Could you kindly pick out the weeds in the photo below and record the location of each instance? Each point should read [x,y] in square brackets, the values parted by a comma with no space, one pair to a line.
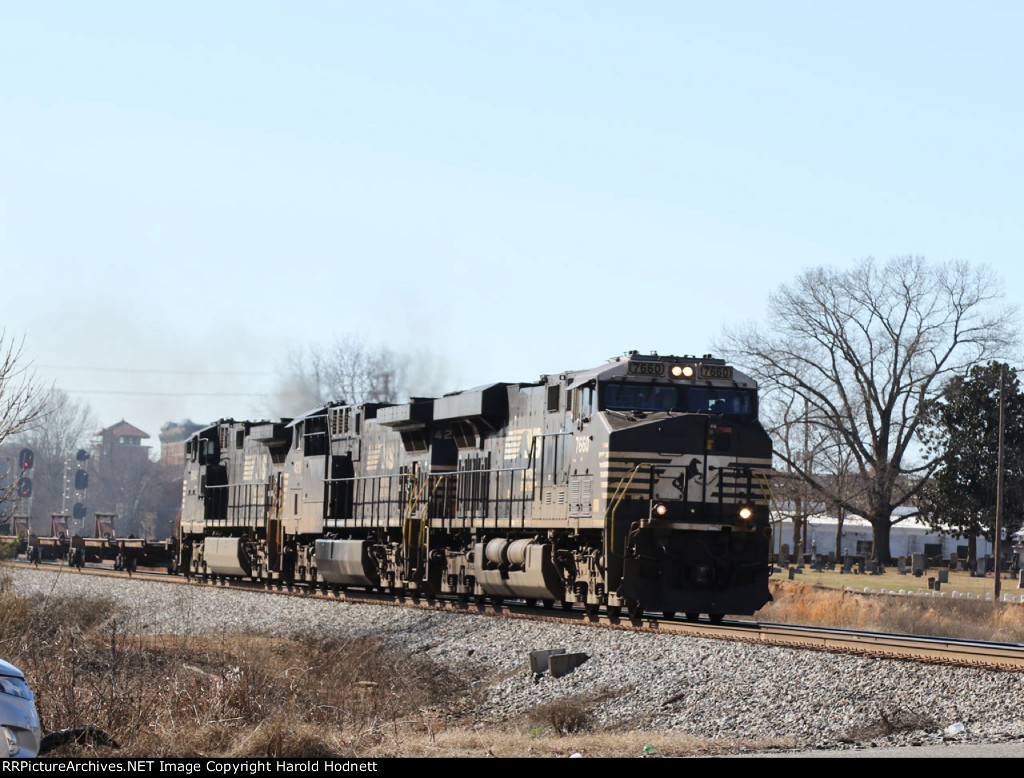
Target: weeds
[230,696]
[567,716]
[893,722]
[973,619]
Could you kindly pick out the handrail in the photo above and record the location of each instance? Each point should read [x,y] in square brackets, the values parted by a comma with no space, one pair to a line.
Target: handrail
[617,497]
[769,496]
[411,505]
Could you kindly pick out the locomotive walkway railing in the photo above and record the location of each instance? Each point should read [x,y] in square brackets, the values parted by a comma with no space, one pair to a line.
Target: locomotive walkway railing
[774,514]
[504,494]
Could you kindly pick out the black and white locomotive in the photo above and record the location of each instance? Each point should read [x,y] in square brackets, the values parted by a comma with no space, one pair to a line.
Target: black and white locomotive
[638,485]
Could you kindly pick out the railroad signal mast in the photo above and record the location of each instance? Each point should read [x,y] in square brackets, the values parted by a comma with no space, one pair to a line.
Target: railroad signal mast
[76,481]
[16,484]
[24,487]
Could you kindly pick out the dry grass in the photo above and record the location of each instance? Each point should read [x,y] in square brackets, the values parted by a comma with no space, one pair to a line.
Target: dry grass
[800,603]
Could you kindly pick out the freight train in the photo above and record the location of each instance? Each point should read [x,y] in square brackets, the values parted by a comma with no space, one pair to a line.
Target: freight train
[638,485]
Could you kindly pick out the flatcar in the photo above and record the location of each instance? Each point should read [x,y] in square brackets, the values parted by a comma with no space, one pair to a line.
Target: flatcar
[638,485]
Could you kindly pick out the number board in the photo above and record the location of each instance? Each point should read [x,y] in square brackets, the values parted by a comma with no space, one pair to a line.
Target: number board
[720,372]
[646,368]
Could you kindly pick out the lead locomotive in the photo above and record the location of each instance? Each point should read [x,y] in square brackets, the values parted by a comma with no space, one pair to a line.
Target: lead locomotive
[639,484]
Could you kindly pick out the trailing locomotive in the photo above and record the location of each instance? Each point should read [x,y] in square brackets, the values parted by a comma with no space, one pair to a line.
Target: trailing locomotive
[637,485]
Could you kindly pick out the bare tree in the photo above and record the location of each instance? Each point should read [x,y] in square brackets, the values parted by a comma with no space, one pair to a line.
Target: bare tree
[800,442]
[22,403]
[59,432]
[864,349]
[351,371]
[125,481]
[354,373]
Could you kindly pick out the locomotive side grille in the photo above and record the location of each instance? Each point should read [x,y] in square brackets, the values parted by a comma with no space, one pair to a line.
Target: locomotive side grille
[581,488]
[340,421]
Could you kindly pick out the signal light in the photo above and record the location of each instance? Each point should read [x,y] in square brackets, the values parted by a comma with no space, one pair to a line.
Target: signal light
[24,487]
[81,479]
[78,511]
[26,457]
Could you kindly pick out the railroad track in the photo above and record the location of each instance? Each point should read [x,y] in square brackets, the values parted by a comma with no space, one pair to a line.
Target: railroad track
[1007,657]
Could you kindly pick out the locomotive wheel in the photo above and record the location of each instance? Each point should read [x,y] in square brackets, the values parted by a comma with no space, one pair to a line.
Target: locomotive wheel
[591,608]
[716,618]
[692,616]
[567,605]
[668,615]
[614,611]
[636,611]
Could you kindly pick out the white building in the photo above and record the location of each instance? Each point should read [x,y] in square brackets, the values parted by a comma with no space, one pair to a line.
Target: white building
[909,536]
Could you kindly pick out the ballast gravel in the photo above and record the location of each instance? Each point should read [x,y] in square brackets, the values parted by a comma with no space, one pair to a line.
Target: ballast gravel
[639,681]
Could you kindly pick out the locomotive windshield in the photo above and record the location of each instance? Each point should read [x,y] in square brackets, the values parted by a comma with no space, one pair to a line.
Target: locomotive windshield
[738,403]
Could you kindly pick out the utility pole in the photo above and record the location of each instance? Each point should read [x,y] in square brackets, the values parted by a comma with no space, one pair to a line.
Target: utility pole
[999,481]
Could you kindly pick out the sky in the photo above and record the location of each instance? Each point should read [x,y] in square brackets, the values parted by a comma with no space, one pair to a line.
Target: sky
[192,191]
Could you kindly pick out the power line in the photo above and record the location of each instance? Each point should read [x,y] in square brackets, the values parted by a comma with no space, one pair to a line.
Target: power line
[166,394]
[150,370]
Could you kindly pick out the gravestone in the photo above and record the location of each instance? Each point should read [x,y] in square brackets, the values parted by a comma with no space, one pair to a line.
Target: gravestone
[943,576]
[918,564]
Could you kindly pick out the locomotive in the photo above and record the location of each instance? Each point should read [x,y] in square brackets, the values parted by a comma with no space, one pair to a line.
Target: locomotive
[638,485]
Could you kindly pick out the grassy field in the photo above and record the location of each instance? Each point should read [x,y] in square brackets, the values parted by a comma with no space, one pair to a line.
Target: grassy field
[959,582]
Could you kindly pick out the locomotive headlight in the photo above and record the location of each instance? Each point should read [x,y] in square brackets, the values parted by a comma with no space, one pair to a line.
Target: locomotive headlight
[682,371]
[746,512]
[660,509]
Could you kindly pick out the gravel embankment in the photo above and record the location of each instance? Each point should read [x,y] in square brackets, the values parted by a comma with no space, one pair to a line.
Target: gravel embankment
[705,688]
